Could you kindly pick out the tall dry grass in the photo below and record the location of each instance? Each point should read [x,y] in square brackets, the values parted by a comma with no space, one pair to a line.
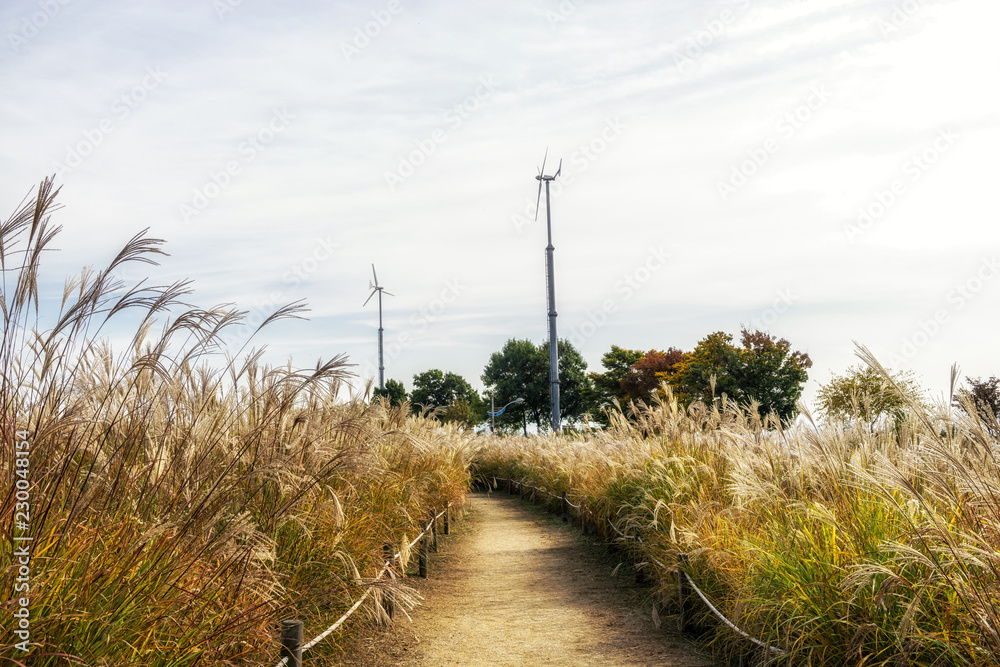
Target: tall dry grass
[845,546]
[182,500]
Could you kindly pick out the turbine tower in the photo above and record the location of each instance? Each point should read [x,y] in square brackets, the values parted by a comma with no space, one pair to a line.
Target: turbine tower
[550,284]
[375,287]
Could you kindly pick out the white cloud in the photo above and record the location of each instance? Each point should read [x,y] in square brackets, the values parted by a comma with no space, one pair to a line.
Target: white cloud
[688,123]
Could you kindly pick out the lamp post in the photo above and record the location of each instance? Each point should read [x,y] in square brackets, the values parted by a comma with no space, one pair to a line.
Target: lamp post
[496,413]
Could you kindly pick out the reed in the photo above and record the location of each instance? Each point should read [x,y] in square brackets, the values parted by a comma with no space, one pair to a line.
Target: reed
[846,546]
[185,498]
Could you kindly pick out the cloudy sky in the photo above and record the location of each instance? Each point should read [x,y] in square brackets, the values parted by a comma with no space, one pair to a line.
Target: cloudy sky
[821,169]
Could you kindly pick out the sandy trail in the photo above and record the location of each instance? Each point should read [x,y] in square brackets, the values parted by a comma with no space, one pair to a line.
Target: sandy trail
[513,587]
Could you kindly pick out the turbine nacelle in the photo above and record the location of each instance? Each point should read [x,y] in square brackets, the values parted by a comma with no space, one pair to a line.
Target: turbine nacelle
[543,178]
[375,287]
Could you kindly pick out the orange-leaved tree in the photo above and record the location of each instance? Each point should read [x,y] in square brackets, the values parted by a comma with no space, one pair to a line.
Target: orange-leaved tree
[763,368]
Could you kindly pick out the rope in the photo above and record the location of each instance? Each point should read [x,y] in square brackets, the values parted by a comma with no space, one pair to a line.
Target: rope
[718,614]
[427,527]
[388,564]
[415,540]
[346,615]
[773,649]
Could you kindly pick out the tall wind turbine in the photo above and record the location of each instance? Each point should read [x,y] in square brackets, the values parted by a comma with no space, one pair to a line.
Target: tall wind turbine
[550,284]
[375,287]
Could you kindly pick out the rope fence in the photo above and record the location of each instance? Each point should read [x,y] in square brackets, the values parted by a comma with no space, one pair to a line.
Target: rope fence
[292,630]
[684,580]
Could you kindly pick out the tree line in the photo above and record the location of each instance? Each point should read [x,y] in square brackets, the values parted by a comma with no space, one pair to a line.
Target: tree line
[759,371]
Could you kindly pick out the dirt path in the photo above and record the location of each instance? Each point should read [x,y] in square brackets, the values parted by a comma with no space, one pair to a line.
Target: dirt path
[513,587]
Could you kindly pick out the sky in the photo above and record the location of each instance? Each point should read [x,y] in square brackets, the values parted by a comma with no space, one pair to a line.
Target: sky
[822,170]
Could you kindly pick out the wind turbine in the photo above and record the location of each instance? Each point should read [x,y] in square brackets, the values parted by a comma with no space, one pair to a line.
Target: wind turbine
[550,284]
[375,287]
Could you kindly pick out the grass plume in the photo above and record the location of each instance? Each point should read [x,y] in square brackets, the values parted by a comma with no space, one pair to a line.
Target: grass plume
[184,498]
[847,546]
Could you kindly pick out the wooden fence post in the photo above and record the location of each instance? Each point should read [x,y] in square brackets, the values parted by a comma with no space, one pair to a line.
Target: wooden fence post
[565,509]
[291,642]
[683,618]
[390,602]
[447,520]
[424,544]
[434,532]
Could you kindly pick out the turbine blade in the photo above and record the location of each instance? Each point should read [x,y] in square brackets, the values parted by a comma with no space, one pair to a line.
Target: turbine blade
[544,158]
[538,200]
[559,170]
[369,298]
[374,274]
[388,293]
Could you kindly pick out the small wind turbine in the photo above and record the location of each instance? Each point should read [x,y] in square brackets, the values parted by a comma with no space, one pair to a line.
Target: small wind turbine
[375,287]
[550,284]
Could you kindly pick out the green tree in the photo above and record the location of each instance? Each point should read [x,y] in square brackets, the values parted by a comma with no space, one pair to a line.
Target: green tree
[452,392]
[706,372]
[763,369]
[466,411]
[576,390]
[394,392]
[770,373]
[521,369]
[518,371]
[982,400]
[617,365]
[863,394]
